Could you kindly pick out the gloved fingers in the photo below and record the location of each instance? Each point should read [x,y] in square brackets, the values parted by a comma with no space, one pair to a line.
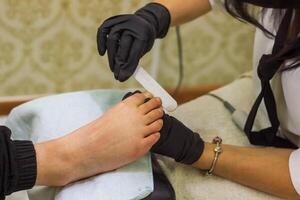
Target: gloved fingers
[136,92]
[125,44]
[128,94]
[112,46]
[122,53]
[114,20]
[104,30]
[101,40]
[150,105]
[130,66]
[154,127]
[164,132]
[150,140]
[153,115]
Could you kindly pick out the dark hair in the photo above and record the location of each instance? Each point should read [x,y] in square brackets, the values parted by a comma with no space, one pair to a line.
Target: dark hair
[242,11]
[245,12]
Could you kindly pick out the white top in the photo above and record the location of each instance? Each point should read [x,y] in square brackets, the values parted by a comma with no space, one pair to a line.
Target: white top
[286,89]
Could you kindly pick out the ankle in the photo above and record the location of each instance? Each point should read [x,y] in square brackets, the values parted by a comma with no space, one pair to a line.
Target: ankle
[54,166]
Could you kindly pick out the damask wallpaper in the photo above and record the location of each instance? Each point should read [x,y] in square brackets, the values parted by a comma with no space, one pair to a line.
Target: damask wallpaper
[49,47]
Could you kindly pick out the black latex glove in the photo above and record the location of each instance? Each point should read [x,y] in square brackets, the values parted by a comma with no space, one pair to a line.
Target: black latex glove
[128,94]
[176,140]
[128,37]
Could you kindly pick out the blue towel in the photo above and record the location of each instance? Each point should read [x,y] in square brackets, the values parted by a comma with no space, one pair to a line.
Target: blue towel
[54,116]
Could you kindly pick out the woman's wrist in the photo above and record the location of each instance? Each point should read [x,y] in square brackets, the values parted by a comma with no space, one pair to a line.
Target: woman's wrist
[207,157]
[182,13]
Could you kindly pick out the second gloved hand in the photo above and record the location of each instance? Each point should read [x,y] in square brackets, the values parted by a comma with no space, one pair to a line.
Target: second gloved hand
[178,142]
[126,38]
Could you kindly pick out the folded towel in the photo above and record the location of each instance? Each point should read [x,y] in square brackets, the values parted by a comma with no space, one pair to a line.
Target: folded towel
[54,116]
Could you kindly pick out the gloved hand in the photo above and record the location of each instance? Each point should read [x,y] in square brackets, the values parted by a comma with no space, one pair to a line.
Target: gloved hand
[176,140]
[128,37]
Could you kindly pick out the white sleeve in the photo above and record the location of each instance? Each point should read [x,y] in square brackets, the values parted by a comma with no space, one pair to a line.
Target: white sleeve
[217,4]
[291,89]
[294,165]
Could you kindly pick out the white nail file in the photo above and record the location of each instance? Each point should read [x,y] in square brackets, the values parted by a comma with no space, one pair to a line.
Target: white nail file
[153,87]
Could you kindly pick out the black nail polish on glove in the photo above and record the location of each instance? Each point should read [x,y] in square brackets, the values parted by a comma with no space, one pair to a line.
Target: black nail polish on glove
[128,37]
[176,140]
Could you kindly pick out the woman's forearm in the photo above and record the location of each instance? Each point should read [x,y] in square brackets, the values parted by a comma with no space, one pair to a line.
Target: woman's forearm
[265,169]
[187,11]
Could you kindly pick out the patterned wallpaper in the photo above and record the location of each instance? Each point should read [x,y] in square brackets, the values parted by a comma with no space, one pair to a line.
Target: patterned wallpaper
[49,46]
